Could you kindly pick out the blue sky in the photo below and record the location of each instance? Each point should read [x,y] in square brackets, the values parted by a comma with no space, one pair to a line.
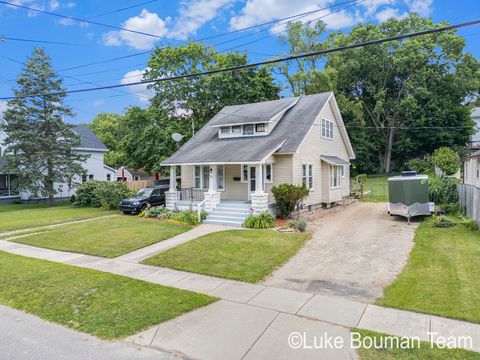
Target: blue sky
[179,20]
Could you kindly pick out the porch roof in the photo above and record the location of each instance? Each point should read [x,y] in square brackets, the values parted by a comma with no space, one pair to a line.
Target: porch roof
[333,160]
[206,147]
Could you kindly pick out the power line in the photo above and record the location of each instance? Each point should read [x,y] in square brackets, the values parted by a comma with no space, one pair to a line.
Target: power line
[2,38]
[357,2]
[271,61]
[205,38]
[87,21]
[122,9]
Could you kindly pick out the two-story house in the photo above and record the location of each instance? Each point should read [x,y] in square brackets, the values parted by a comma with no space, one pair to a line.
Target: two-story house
[231,164]
[94,166]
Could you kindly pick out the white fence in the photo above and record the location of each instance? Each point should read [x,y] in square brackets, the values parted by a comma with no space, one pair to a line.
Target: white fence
[469,198]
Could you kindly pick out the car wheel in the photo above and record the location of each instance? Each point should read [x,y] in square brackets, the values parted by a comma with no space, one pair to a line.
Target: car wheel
[143,207]
[126,212]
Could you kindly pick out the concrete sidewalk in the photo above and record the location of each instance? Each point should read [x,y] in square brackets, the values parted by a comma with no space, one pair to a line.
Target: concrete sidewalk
[251,319]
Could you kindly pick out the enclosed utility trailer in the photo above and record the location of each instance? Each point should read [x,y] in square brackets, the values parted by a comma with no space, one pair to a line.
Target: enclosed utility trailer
[408,195]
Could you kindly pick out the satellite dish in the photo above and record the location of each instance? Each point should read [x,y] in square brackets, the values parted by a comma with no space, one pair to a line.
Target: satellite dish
[177,137]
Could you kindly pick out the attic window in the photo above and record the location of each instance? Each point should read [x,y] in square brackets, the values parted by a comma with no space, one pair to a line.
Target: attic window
[237,129]
[260,128]
[225,130]
[248,129]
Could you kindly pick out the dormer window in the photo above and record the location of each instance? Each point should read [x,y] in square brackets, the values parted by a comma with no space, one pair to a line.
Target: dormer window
[260,128]
[225,130]
[248,129]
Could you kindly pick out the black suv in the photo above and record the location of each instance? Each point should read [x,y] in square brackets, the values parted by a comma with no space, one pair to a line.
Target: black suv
[148,196]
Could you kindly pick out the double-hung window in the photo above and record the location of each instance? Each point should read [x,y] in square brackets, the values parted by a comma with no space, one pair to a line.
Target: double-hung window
[268,171]
[327,129]
[335,176]
[248,129]
[201,177]
[307,176]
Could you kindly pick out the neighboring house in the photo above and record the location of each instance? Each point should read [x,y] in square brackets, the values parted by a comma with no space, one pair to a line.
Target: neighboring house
[471,169]
[94,166]
[130,174]
[245,150]
[475,139]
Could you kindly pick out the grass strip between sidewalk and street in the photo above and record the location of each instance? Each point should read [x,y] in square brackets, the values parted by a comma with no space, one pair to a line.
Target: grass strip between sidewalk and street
[245,255]
[102,304]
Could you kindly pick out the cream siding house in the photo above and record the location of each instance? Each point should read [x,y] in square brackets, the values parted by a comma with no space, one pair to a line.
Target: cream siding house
[230,166]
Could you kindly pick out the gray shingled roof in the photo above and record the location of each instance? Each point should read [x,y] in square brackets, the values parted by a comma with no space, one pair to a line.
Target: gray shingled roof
[334,160]
[251,113]
[476,112]
[88,140]
[286,137]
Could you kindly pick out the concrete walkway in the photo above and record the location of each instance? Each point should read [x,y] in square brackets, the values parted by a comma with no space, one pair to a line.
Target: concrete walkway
[252,320]
[146,252]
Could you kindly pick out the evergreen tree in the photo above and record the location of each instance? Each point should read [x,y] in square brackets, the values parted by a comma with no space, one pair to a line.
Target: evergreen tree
[39,145]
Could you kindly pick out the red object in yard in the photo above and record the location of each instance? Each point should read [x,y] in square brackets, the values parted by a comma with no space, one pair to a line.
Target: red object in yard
[157,176]
[123,173]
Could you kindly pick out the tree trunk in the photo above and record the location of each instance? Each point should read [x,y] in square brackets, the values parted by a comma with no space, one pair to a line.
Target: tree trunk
[49,182]
[388,150]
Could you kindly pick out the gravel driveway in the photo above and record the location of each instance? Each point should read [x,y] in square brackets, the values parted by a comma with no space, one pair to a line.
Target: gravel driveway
[355,252]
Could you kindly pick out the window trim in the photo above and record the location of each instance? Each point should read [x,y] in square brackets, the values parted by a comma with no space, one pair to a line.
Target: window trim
[308,176]
[201,177]
[242,173]
[330,124]
[264,170]
[335,169]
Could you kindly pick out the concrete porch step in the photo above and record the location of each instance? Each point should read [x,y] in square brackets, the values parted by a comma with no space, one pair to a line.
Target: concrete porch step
[234,205]
[214,216]
[223,222]
[230,212]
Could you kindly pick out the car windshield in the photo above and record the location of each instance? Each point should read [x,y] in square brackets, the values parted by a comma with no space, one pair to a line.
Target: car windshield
[144,193]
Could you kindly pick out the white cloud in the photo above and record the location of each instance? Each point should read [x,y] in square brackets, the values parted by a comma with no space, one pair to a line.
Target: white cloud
[259,11]
[193,14]
[98,102]
[140,91]
[54,5]
[3,107]
[386,14]
[146,22]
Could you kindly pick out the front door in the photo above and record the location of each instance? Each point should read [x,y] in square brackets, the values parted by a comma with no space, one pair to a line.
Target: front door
[251,182]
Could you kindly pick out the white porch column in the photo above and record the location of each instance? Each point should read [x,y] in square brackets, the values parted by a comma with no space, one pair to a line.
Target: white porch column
[212,196]
[173,179]
[259,197]
[171,194]
[258,179]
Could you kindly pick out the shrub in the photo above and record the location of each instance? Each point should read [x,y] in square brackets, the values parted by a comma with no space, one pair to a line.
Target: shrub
[106,194]
[302,225]
[288,196]
[442,222]
[86,194]
[451,209]
[160,212]
[470,224]
[446,160]
[292,224]
[263,221]
[443,190]
[421,166]
[203,215]
[361,178]
[73,198]
[111,193]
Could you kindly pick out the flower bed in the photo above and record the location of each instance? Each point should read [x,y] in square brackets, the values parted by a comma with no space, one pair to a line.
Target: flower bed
[189,217]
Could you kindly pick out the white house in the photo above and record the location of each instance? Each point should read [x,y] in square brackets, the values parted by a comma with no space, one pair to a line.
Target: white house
[94,166]
[231,164]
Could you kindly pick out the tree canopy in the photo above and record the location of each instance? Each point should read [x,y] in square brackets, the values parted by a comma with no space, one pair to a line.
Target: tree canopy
[400,99]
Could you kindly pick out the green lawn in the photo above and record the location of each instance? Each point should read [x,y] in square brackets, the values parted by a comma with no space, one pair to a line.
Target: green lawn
[102,304]
[442,274]
[376,188]
[15,217]
[424,352]
[246,255]
[28,206]
[108,237]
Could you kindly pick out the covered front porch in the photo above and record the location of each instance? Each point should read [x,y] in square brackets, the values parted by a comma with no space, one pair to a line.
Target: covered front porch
[206,186]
